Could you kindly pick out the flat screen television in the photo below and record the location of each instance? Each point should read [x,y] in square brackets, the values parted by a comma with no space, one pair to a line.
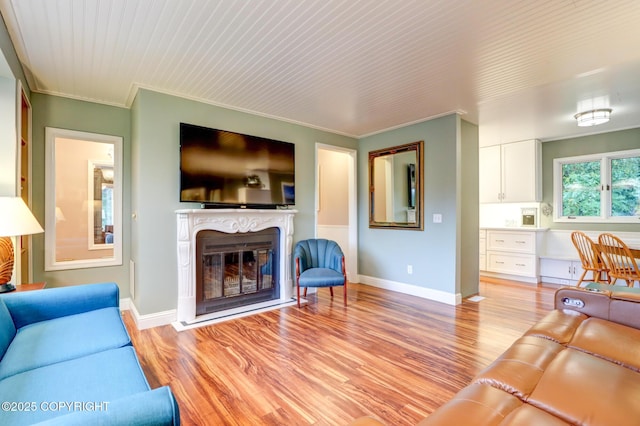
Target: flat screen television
[219,168]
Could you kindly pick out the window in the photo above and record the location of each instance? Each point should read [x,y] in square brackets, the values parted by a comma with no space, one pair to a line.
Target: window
[597,188]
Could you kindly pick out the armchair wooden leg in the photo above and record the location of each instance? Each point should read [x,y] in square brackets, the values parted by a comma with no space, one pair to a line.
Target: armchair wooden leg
[331,291]
[298,289]
[345,293]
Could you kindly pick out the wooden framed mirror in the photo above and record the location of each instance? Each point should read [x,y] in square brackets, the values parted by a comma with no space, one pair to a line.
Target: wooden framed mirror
[396,187]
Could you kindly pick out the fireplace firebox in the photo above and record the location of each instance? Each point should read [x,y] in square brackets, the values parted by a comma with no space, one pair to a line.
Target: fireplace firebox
[236,269]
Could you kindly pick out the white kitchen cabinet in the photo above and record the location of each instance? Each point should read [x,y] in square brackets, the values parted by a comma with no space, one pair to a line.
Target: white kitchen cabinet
[513,253]
[514,264]
[483,250]
[561,271]
[511,172]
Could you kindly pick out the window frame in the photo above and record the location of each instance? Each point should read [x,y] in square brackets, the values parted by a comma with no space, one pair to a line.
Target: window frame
[605,179]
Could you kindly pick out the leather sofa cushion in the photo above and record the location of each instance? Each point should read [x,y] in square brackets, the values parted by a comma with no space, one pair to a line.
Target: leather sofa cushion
[473,403]
[614,342]
[479,404]
[61,339]
[582,389]
[558,325]
[519,368]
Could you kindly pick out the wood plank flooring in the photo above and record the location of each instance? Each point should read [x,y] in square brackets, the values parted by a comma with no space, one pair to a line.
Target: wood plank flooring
[388,355]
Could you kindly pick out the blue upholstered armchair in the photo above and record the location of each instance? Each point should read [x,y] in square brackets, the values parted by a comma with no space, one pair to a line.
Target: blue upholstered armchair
[319,263]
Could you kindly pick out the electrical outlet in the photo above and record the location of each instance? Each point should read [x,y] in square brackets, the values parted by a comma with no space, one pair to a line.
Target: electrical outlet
[409,269]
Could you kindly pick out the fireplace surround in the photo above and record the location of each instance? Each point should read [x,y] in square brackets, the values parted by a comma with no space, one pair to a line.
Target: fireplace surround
[230,221]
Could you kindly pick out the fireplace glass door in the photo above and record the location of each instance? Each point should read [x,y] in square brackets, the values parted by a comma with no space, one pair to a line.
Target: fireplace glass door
[235,269]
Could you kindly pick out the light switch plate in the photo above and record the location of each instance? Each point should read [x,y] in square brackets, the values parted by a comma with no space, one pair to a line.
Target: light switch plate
[437,218]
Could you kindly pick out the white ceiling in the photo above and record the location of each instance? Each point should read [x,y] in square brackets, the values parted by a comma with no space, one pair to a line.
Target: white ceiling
[519,69]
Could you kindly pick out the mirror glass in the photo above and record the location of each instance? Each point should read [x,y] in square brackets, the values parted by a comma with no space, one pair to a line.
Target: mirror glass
[395,184]
[83,200]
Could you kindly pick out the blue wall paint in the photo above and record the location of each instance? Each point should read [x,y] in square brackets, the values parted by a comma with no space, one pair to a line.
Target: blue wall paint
[151,132]
[155,177]
[434,253]
[65,113]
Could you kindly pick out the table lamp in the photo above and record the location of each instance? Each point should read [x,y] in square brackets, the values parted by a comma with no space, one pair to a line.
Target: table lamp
[15,219]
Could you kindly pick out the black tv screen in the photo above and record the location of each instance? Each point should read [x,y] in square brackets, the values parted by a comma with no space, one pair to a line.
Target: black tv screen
[222,168]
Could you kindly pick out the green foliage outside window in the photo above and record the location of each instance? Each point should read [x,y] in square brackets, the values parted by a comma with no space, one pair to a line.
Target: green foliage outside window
[581,189]
[625,186]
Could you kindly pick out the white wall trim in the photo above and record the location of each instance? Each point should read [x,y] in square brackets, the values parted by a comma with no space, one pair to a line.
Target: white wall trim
[413,290]
[149,320]
[125,304]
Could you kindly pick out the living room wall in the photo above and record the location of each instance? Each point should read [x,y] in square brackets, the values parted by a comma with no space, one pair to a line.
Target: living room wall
[65,113]
[155,182]
[436,253]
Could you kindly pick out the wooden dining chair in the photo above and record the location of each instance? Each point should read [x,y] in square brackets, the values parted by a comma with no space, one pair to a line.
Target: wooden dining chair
[590,258]
[619,259]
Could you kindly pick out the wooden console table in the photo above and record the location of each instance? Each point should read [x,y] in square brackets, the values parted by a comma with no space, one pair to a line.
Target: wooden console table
[31,287]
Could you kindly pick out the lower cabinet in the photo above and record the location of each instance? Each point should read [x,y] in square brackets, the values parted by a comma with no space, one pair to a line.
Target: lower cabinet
[560,271]
[483,250]
[515,264]
[512,253]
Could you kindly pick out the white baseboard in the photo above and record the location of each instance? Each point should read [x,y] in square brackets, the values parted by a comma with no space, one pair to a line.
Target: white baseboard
[125,304]
[149,320]
[414,290]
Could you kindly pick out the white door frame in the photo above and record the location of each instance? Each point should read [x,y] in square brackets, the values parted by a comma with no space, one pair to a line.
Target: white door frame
[352,249]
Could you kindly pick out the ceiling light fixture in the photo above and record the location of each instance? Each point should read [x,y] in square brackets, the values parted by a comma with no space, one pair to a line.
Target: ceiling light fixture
[593,117]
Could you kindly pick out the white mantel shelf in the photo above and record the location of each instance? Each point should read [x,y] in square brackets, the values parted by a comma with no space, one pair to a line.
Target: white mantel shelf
[192,221]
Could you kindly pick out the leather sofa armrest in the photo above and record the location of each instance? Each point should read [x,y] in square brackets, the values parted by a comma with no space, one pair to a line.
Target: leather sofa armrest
[617,304]
[34,306]
[591,302]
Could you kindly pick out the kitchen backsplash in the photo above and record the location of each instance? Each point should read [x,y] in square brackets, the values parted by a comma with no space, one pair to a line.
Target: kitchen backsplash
[498,215]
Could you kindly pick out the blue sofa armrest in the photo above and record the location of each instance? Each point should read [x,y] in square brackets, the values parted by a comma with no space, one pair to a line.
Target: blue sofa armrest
[156,407]
[34,306]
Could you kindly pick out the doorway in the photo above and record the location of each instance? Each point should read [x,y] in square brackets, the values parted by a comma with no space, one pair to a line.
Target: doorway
[336,202]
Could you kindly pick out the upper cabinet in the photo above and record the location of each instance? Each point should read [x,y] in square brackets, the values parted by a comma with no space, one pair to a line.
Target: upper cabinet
[511,173]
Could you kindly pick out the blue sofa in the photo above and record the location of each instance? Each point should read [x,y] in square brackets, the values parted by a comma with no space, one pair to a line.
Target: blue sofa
[67,359]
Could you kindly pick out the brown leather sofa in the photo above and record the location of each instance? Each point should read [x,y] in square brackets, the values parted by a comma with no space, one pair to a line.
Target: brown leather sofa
[578,365]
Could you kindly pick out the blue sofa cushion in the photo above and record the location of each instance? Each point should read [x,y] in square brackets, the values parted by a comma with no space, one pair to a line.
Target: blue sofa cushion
[102,377]
[321,277]
[65,338]
[29,307]
[157,407]
[7,328]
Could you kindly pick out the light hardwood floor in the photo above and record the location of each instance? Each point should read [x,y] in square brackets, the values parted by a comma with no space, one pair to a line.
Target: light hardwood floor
[389,355]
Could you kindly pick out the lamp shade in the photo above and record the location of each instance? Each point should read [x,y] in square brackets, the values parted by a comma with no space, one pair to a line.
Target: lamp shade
[16,218]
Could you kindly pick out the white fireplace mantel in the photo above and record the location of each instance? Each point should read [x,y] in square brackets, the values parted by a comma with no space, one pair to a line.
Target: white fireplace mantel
[231,221]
